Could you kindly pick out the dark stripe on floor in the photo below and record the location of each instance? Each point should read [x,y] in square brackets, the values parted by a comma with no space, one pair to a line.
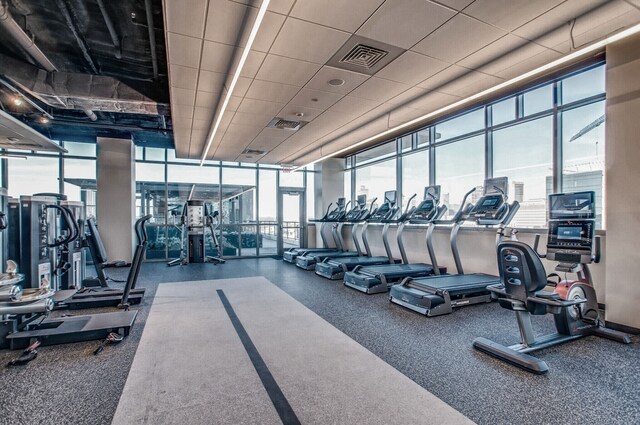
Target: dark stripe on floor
[280,402]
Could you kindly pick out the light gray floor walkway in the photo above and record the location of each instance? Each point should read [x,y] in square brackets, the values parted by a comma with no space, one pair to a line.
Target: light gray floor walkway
[191,366]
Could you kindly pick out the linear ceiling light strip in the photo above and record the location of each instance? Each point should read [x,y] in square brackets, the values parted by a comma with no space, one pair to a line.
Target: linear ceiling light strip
[236,76]
[563,60]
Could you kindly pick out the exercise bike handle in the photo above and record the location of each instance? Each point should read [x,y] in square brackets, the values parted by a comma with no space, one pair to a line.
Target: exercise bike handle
[536,242]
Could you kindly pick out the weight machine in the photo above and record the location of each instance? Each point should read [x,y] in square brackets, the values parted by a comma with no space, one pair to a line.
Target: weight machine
[196,217]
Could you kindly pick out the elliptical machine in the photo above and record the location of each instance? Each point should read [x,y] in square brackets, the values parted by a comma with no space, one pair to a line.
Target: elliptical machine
[574,304]
[195,219]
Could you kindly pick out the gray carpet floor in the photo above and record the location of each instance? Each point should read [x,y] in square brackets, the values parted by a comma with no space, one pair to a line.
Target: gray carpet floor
[592,380]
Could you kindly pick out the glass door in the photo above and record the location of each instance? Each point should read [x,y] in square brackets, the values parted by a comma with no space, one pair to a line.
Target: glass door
[291,219]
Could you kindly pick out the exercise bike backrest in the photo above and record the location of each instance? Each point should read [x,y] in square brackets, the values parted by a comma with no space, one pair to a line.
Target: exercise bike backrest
[521,271]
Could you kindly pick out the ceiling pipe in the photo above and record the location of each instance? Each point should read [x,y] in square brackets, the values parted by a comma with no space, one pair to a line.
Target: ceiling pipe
[82,43]
[92,115]
[26,42]
[112,29]
[152,38]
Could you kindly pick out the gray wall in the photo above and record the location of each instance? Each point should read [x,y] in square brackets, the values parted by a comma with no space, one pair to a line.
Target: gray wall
[622,177]
[116,197]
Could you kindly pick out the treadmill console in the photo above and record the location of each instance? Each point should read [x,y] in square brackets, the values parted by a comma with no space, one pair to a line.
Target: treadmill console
[336,214]
[424,212]
[386,210]
[489,207]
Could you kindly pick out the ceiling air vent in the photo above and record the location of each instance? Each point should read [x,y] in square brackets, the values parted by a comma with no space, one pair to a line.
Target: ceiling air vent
[283,124]
[364,56]
[254,152]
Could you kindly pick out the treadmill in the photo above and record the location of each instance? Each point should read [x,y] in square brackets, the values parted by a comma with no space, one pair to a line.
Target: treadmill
[335,268]
[96,292]
[354,216]
[438,295]
[378,279]
[331,216]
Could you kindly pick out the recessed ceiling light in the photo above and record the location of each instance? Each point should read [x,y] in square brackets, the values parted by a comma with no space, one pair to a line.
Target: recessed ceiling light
[335,82]
[43,119]
[18,101]
[299,114]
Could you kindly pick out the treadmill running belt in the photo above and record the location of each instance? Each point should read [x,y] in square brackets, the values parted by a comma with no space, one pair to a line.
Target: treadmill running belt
[456,284]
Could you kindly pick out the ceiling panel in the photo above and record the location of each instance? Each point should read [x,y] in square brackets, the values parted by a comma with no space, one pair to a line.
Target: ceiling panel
[379,89]
[345,15]
[234,103]
[182,97]
[185,16]
[183,77]
[285,70]
[277,6]
[432,101]
[456,4]
[511,14]
[307,41]
[556,17]
[183,50]
[506,49]
[212,82]
[403,23]
[411,68]
[289,112]
[207,99]
[201,113]
[327,73]
[451,42]
[252,119]
[443,77]
[224,19]
[179,111]
[354,106]
[255,106]
[274,92]
[407,96]
[217,57]
[323,99]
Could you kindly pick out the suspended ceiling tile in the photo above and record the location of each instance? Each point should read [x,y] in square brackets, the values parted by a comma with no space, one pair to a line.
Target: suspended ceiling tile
[453,41]
[511,14]
[559,16]
[277,6]
[307,41]
[269,29]
[227,21]
[407,96]
[411,68]
[251,119]
[182,97]
[201,113]
[274,92]
[456,85]
[201,124]
[404,114]
[379,89]
[323,99]
[185,16]
[443,77]
[182,124]
[403,23]
[502,48]
[285,70]
[432,101]
[255,106]
[183,50]
[207,99]
[529,64]
[516,56]
[183,77]
[345,15]
[252,64]
[217,57]
[354,105]
[455,4]
[478,85]
[234,103]
[212,82]
[327,73]
[242,85]
[179,111]
[290,112]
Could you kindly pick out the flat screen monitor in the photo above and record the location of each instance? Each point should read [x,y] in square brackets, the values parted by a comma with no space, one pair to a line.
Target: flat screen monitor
[496,185]
[390,196]
[432,192]
[362,200]
[577,205]
[341,202]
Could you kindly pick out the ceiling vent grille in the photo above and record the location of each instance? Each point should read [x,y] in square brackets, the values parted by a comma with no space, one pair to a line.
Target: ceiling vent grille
[364,56]
[254,152]
[283,124]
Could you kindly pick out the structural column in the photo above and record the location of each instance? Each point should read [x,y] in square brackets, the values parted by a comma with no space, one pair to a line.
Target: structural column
[116,197]
[621,180]
[328,187]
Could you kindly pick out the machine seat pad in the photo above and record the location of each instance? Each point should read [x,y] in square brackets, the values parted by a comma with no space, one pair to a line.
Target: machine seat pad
[511,304]
[547,295]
